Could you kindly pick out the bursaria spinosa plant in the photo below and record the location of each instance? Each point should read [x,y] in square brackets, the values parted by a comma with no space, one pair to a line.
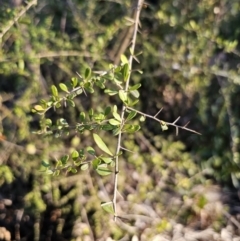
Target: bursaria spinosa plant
[115,81]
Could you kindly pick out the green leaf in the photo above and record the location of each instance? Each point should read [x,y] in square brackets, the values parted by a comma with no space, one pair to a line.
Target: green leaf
[89,88]
[107,127]
[103,171]
[142,118]
[125,71]
[49,172]
[107,110]
[71,102]
[64,159]
[74,82]
[82,116]
[48,122]
[123,95]
[164,126]
[58,105]
[135,93]
[124,59]
[99,117]
[39,108]
[108,207]
[54,90]
[88,73]
[131,115]
[91,151]
[107,160]
[101,144]
[131,128]
[73,170]
[117,116]
[135,87]
[84,167]
[110,92]
[116,131]
[114,122]
[132,103]
[63,87]
[96,163]
[45,163]
[91,113]
[115,108]
[75,155]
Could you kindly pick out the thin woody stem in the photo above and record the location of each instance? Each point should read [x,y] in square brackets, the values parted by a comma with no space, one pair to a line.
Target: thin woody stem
[164,122]
[118,149]
[13,21]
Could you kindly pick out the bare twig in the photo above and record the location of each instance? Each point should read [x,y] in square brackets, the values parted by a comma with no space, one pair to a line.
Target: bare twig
[158,112]
[51,55]
[13,21]
[130,61]
[161,121]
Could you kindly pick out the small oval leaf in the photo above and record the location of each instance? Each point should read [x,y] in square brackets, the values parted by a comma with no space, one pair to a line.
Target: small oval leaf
[123,95]
[75,155]
[54,90]
[103,171]
[108,207]
[101,144]
[88,73]
[63,87]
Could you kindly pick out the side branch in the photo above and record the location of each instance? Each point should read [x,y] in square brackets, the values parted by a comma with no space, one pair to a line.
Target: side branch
[164,122]
[12,22]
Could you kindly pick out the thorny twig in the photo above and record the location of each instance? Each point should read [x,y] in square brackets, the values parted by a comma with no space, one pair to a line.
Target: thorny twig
[124,108]
[13,21]
[164,122]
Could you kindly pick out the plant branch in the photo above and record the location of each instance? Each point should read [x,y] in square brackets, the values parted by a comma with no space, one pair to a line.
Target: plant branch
[164,122]
[130,61]
[51,54]
[13,21]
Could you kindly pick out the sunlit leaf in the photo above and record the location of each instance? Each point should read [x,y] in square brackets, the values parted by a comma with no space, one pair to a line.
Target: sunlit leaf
[123,95]
[142,118]
[164,126]
[135,87]
[135,93]
[114,122]
[39,108]
[108,207]
[49,172]
[75,155]
[74,82]
[131,115]
[54,90]
[107,160]
[117,116]
[73,170]
[124,59]
[95,163]
[84,167]
[125,71]
[101,144]
[63,87]
[110,92]
[103,171]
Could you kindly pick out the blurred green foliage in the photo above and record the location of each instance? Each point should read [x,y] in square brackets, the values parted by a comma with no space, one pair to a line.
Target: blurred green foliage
[190,64]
